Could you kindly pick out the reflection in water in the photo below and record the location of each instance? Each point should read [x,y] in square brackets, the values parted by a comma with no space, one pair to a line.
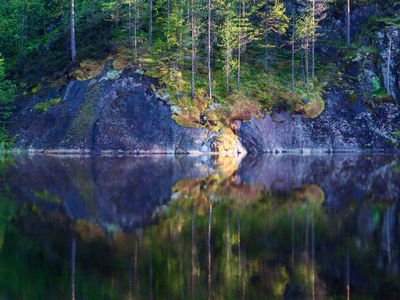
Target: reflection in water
[200,227]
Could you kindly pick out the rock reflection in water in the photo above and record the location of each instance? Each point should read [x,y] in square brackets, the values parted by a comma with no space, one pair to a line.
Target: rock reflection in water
[203,227]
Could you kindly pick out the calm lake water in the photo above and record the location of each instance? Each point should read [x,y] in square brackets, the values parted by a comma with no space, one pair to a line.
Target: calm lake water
[202,227]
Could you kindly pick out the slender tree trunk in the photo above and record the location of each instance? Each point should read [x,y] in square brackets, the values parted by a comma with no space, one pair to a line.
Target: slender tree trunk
[130,20]
[239,50]
[209,252]
[177,80]
[151,24]
[192,82]
[209,50]
[73,50]
[73,256]
[266,37]
[306,58]
[227,68]
[169,25]
[302,68]
[193,253]
[388,68]
[293,62]
[135,28]
[348,23]
[151,277]
[244,36]
[313,40]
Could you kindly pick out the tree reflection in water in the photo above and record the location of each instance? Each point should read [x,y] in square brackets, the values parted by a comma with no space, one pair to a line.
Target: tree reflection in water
[276,226]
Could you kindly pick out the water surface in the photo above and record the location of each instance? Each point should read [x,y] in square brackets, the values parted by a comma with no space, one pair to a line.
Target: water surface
[200,227]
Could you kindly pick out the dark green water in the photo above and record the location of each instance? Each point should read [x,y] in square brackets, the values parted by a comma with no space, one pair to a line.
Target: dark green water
[161,227]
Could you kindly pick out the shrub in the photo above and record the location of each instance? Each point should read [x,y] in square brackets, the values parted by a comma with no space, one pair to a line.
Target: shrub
[376,83]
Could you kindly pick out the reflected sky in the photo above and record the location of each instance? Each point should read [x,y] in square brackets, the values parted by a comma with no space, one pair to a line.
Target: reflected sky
[200,227]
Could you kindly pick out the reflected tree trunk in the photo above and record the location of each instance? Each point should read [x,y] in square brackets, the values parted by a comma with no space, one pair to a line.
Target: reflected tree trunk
[151,277]
[73,258]
[209,251]
[313,259]
[227,247]
[239,256]
[135,277]
[209,49]
[193,254]
[348,276]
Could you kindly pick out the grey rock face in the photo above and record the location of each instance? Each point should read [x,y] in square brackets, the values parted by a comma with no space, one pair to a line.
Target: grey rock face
[341,127]
[115,112]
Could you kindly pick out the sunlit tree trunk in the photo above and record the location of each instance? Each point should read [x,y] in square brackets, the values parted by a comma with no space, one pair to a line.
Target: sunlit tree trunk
[209,49]
[313,41]
[266,38]
[192,21]
[73,50]
[239,49]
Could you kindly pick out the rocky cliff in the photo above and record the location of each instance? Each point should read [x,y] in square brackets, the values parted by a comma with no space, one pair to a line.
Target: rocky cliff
[115,112]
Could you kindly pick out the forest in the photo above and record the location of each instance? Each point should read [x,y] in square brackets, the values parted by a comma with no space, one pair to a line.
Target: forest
[249,56]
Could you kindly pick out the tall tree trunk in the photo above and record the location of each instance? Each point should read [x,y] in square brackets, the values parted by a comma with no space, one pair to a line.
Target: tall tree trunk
[130,20]
[169,13]
[293,62]
[135,28]
[151,277]
[388,68]
[348,23]
[193,253]
[266,37]
[306,59]
[73,50]
[313,40]
[151,24]
[192,82]
[227,68]
[73,256]
[209,252]
[239,49]
[209,50]
[177,80]
[244,36]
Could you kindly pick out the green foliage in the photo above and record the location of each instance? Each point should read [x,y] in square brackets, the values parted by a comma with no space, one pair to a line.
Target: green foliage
[6,142]
[45,195]
[376,83]
[44,106]
[277,20]
[6,93]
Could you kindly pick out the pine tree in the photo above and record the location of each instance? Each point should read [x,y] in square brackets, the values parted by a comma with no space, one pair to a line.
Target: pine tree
[246,34]
[319,8]
[305,33]
[276,22]
[229,35]
[6,93]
